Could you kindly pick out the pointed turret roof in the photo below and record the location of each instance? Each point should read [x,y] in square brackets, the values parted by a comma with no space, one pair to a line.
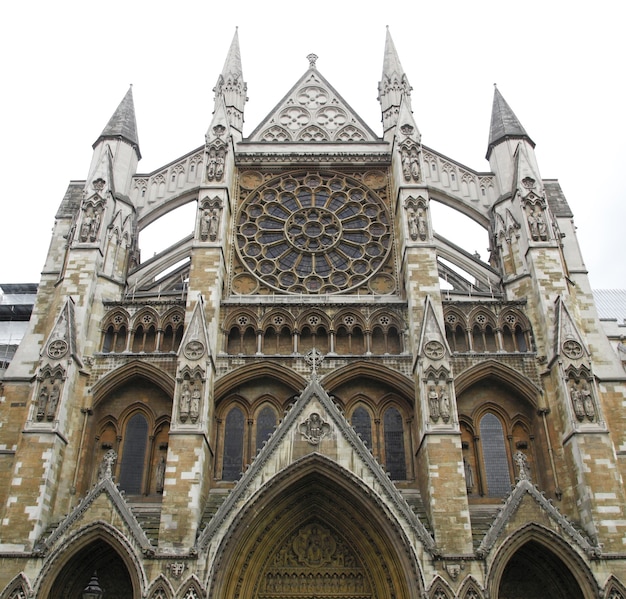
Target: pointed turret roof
[230,87]
[394,88]
[504,123]
[232,64]
[391,61]
[122,123]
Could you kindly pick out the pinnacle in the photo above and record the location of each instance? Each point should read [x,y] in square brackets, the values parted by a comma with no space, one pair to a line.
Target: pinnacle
[123,123]
[504,123]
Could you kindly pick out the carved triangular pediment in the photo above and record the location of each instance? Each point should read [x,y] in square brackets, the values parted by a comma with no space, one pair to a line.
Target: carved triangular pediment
[569,342]
[526,493]
[104,502]
[315,426]
[312,112]
[432,344]
[61,342]
[195,343]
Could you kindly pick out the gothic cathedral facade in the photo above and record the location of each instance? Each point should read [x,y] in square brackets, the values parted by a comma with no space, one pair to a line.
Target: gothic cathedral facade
[314,394]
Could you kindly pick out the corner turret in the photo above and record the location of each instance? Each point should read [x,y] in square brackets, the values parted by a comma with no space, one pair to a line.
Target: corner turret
[117,148]
[393,88]
[505,135]
[231,88]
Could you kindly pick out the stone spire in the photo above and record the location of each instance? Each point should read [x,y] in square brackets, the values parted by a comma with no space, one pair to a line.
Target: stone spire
[394,86]
[231,86]
[123,124]
[504,124]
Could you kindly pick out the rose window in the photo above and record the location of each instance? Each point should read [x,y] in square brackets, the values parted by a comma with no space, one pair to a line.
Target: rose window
[313,233]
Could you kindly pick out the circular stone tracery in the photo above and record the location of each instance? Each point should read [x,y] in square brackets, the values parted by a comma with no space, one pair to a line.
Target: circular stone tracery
[313,233]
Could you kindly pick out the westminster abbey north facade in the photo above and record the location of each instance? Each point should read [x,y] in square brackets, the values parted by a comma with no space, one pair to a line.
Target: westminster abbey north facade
[315,394]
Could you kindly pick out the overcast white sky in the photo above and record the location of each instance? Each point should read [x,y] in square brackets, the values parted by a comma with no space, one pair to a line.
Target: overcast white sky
[67,65]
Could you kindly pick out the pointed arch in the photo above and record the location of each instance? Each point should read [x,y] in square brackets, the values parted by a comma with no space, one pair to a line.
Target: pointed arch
[613,589]
[551,554]
[470,589]
[161,588]
[245,374]
[81,552]
[440,589]
[18,588]
[315,491]
[366,369]
[137,368]
[191,589]
[501,373]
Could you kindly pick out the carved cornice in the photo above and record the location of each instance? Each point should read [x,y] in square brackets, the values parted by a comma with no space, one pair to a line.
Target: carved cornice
[296,158]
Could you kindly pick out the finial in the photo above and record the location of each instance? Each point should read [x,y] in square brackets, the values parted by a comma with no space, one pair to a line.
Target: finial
[495,85]
[312,58]
[313,358]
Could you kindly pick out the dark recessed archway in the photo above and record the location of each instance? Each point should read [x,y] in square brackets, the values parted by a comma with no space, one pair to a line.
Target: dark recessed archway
[535,572]
[96,557]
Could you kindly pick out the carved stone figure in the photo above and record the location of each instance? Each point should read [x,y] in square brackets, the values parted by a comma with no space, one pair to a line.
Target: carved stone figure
[204,225]
[185,402]
[194,408]
[532,225]
[577,402]
[94,226]
[444,404]
[542,229]
[213,224]
[414,161]
[160,475]
[433,403]
[413,225]
[587,401]
[469,475]
[211,164]
[406,163]
[421,225]
[53,400]
[522,464]
[220,159]
[313,429]
[42,402]
[85,228]
[106,467]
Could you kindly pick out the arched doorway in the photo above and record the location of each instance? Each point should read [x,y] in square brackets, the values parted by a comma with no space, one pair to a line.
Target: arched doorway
[96,557]
[534,572]
[542,566]
[315,533]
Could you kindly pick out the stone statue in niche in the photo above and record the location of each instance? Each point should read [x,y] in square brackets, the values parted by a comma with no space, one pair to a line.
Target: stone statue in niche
[469,475]
[42,402]
[405,157]
[532,225]
[53,400]
[414,162]
[184,402]
[542,229]
[194,408]
[577,402]
[587,401]
[444,403]
[421,224]
[215,163]
[209,224]
[160,475]
[90,225]
[413,225]
[433,403]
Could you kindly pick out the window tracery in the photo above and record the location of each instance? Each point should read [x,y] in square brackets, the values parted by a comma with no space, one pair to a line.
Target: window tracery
[313,233]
